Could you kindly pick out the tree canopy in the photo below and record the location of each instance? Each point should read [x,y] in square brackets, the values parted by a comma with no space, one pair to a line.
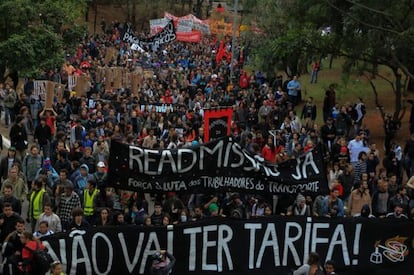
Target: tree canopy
[35,33]
[368,33]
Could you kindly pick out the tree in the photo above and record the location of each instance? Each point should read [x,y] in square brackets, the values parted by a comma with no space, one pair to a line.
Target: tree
[368,34]
[379,33]
[34,34]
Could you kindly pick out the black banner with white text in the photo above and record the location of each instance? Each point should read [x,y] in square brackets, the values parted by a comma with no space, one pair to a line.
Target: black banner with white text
[167,35]
[218,166]
[272,245]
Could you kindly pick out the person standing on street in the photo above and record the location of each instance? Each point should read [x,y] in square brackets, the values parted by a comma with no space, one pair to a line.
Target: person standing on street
[18,137]
[9,99]
[38,199]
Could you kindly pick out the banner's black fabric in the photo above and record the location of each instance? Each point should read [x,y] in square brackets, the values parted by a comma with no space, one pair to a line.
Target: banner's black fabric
[220,165]
[272,245]
[165,36]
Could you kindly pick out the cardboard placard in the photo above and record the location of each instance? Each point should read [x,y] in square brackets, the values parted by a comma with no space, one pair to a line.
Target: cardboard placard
[20,86]
[139,70]
[100,74]
[108,78]
[50,94]
[117,77]
[81,86]
[148,74]
[126,76]
[110,54]
[134,84]
[60,92]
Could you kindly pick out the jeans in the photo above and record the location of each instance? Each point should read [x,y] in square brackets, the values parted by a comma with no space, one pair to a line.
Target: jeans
[314,76]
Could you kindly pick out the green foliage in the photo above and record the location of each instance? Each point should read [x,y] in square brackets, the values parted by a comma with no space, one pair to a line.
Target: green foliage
[34,33]
[32,50]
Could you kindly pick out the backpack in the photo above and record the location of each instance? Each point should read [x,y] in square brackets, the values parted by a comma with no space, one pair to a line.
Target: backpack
[41,260]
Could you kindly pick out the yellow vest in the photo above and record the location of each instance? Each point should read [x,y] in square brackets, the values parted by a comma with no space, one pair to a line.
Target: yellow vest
[88,202]
[36,200]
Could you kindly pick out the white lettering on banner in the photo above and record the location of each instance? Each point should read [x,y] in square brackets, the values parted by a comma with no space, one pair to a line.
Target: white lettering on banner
[252,227]
[303,174]
[293,233]
[339,238]
[158,108]
[131,265]
[318,240]
[78,242]
[167,157]
[289,242]
[276,187]
[272,242]
[144,157]
[221,243]
[39,88]
[94,252]
[193,247]
[180,160]
[71,82]
[210,246]
[152,241]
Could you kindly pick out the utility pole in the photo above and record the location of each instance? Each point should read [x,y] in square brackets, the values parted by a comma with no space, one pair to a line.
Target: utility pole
[233,42]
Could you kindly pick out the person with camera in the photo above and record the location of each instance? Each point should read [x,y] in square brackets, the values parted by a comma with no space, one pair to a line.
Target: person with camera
[162,263]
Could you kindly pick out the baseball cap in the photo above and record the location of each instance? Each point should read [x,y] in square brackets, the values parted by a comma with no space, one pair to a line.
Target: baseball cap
[12,148]
[101,164]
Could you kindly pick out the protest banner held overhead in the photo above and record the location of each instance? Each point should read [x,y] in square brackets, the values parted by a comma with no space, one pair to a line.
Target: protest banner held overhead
[218,166]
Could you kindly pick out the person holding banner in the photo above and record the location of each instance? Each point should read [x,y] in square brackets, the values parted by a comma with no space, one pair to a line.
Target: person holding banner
[162,263]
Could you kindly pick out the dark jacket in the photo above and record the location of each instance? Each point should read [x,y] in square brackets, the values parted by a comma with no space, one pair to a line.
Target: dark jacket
[157,269]
[18,137]
[4,166]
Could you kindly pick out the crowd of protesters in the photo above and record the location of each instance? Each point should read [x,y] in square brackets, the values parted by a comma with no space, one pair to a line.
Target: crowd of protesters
[58,158]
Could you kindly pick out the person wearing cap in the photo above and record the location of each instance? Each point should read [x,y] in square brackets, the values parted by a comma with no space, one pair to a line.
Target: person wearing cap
[38,199]
[18,137]
[68,201]
[100,176]
[7,162]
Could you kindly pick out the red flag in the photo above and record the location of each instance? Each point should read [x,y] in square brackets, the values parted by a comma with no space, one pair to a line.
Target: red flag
[221,52]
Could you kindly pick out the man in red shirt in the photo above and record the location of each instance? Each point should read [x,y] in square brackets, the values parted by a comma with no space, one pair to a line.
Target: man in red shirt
[30,244]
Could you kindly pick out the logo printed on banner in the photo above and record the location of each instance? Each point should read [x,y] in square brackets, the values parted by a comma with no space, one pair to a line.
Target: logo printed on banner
[393,249]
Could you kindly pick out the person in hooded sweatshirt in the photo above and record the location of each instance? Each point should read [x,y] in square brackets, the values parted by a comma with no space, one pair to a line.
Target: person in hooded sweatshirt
[299,208]
[82,179]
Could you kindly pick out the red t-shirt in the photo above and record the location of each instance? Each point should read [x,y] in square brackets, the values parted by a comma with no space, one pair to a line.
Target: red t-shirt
[27,255]
[50,121]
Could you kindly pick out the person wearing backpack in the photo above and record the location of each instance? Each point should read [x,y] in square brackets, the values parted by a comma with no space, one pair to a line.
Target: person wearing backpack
[35,259]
